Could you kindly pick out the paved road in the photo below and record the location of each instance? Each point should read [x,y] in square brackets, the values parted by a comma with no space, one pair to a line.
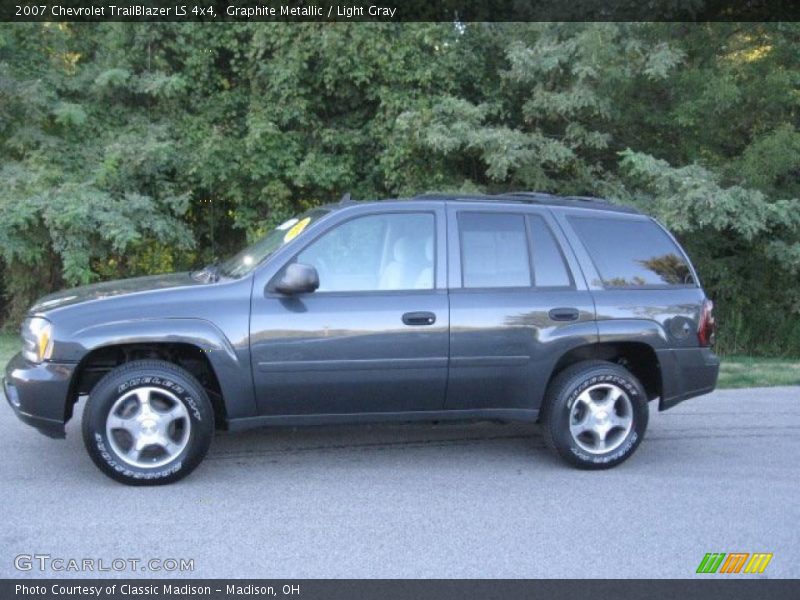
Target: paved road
[718,473]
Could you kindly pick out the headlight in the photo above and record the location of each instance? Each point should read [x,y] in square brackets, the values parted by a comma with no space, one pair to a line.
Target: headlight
[37,341]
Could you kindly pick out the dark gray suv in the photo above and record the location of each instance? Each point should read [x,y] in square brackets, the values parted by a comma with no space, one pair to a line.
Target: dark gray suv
[572,312]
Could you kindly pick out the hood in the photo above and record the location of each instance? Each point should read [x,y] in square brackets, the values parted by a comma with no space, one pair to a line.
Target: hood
[110,289]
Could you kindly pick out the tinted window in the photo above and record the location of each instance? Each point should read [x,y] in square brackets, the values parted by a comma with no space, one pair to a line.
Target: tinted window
[632,252]
[549,268]
[494,250]
[374,253]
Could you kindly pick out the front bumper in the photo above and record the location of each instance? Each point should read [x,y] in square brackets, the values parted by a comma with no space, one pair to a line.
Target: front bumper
[686,373]
[39,394]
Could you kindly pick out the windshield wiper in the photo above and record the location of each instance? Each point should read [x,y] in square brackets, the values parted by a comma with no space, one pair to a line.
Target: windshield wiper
[208,274]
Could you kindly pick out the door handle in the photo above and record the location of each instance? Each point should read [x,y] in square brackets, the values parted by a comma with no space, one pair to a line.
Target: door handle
[419,318]
[564,314]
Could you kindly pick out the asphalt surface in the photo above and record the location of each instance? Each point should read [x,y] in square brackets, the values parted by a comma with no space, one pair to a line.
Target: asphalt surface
[716,474]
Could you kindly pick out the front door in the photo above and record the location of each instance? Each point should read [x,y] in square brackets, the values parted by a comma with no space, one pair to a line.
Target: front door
[374,337]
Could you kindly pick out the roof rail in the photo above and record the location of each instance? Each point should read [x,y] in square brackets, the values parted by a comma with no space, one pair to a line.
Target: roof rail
[523,197]
[545,197]
[531,195]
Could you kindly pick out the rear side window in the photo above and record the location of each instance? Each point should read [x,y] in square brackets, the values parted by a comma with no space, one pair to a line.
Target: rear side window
[632,252]
[494,250]
[549,268]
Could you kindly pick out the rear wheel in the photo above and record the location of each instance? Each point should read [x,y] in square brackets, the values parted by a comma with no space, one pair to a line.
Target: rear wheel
[147,423]
[595,414]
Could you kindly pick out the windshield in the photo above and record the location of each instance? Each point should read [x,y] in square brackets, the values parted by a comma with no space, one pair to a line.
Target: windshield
[248,259]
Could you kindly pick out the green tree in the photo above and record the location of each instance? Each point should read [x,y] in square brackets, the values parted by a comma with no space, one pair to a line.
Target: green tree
[137,148]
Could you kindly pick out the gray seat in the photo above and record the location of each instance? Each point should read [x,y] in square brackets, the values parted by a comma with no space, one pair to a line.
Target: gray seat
[394,275]
[425,278]
[411,267]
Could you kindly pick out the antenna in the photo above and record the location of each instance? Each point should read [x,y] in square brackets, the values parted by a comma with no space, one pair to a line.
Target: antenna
[345,198]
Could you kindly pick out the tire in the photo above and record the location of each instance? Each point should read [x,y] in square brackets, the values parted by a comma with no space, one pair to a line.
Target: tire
[161,406]
[594,414]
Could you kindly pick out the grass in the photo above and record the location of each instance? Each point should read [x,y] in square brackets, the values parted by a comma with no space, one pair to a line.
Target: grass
[736,372]
[9,346]
[747,371]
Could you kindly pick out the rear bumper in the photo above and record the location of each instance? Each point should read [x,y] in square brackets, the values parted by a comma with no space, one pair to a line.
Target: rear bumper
[38,394]
[686,373]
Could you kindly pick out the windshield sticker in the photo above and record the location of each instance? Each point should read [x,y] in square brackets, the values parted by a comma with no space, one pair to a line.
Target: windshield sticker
[296,229]
[286,224]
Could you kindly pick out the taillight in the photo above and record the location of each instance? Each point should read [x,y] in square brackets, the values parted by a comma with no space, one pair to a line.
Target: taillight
[707,327]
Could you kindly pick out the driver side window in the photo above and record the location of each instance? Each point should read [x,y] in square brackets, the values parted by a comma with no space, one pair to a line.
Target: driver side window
[383,252]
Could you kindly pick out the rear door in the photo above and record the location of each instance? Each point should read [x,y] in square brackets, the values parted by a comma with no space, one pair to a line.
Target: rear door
[518,301]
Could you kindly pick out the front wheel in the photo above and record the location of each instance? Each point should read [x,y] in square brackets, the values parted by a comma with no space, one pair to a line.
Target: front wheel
[147,423]
[595,414]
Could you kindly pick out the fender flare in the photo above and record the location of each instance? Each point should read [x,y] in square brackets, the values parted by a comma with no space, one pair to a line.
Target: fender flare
[644,331]
[231,367]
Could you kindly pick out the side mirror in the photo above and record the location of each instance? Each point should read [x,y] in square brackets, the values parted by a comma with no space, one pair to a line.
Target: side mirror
[297,278]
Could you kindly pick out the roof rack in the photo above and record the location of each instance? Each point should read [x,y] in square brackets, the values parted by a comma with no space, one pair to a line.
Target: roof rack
[542,198]
[545,197]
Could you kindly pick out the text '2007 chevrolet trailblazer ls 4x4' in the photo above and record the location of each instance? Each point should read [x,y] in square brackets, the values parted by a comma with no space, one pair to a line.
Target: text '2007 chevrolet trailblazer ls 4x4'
[568,311]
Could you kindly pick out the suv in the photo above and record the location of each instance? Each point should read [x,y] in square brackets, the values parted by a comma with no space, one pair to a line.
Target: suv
[571,312]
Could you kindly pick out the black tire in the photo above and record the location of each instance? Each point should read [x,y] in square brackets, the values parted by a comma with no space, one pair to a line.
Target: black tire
[593,377]
[164,384]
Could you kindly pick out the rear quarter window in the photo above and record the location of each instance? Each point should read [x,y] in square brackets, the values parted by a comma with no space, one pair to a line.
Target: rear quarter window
[549,268]
[632,252]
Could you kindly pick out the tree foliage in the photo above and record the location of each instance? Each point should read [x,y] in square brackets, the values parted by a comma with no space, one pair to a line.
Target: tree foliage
[136,148]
